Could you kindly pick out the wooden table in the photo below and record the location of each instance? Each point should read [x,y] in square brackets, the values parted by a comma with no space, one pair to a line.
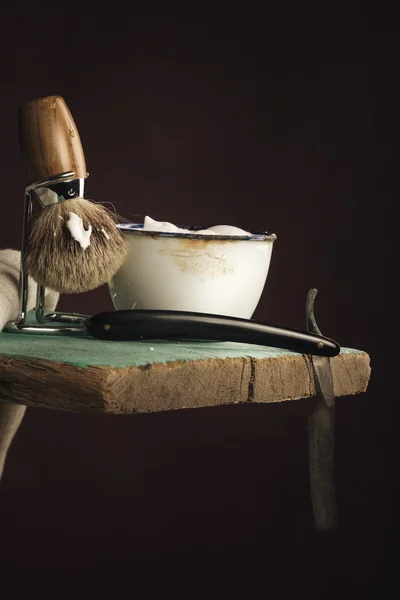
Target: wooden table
[87,375]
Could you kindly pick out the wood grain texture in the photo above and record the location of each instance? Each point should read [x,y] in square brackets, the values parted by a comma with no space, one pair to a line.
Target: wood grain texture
[49,139]
[172,385]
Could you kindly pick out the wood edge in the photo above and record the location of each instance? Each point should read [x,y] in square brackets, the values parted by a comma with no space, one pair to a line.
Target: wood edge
[294,377]
[101,388]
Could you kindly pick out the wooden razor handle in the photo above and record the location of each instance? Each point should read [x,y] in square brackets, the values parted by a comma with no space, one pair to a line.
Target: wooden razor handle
[49,139]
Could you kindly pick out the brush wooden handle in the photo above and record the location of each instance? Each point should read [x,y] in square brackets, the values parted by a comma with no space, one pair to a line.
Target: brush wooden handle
[49,139]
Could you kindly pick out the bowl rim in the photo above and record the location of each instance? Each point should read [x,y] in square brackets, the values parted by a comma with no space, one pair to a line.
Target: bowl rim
[137,229]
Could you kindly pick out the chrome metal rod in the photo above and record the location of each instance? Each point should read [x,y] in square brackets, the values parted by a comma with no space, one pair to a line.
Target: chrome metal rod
[57,317]
[36,329]
[23,275]
[67,176]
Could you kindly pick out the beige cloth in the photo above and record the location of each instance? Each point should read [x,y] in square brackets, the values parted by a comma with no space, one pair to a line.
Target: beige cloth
[11,414]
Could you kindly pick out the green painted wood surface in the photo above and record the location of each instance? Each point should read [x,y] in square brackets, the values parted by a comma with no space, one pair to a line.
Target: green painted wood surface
[84,351]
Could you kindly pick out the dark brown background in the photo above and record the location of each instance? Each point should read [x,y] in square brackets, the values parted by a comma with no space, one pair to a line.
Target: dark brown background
[283,122]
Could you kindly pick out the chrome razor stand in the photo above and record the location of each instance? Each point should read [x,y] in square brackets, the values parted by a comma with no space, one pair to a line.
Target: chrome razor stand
[49,191]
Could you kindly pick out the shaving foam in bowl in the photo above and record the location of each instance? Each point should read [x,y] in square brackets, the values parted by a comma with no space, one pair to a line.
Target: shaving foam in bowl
[219,270]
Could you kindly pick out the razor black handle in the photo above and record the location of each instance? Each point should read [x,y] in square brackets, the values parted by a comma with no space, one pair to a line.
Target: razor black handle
[136,325]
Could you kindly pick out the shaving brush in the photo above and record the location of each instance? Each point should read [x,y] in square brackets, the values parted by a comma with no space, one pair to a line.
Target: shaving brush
[74,244]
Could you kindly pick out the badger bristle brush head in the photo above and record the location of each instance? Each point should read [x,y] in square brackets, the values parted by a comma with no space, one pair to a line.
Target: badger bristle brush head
[74,245]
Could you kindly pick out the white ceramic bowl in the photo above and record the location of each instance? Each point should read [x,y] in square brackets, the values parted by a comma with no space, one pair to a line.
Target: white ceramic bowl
[216,274]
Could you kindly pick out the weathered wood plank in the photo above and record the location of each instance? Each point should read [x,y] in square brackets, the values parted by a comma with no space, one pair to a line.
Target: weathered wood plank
[82,374]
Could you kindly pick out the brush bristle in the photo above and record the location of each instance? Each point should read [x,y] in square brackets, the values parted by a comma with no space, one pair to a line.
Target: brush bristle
[57,261]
